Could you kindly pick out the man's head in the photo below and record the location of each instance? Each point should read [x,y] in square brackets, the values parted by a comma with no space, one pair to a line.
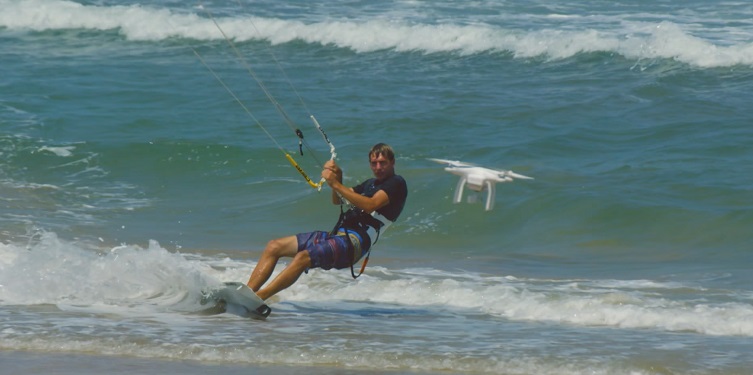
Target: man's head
[382,161]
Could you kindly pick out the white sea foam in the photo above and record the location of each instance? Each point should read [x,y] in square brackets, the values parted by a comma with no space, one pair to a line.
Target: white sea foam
[649,38]
[152,279]
[639,304]
[59,151]
[131,301]
[52,271]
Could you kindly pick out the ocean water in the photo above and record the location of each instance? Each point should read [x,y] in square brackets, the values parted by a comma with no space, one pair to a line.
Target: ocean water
[141,163]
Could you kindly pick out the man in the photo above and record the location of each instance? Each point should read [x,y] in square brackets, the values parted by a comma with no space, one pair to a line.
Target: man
[377,202]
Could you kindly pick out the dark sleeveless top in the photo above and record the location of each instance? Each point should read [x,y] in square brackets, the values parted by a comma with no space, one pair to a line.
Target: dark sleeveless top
[396,189]
[360,221]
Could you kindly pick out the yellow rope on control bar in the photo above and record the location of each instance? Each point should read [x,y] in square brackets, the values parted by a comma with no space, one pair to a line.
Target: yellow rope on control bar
[300,170]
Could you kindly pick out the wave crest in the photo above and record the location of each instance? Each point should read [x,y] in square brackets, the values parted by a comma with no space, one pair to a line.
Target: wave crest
[630,39]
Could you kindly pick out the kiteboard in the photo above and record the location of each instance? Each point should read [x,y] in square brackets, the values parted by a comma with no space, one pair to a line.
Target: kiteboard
[238,299]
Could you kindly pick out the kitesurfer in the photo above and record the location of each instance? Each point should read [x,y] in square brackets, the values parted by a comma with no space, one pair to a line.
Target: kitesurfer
[376,203]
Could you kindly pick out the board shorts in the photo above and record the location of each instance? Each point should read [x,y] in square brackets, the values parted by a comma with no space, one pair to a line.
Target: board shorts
[327,251]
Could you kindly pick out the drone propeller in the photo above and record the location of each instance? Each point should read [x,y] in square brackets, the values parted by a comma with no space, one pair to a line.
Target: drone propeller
[453,163]
[514,175]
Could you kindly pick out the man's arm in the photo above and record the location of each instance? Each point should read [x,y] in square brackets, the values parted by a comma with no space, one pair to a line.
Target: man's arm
[368,204]
[332,167]
[333,175]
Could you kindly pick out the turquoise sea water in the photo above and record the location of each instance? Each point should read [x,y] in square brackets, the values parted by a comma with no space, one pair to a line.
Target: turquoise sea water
[131,180]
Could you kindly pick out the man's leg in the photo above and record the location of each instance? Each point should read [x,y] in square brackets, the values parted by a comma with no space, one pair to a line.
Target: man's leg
[288,276]
[276,249]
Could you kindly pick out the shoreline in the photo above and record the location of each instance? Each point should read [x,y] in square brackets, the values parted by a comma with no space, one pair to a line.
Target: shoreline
[27,362]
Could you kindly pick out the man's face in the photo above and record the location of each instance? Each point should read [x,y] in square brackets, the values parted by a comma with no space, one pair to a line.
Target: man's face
[381,166]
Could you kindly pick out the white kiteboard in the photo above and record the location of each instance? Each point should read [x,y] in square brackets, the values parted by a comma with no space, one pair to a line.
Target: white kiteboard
[236,298]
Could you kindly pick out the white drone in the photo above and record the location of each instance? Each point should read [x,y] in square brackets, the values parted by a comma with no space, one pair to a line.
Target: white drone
[478,178]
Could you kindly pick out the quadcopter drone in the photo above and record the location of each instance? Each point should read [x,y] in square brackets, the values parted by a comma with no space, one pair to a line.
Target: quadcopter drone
[478,178]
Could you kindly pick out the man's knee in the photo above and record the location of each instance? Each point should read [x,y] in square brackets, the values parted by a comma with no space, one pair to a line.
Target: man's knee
[280,247]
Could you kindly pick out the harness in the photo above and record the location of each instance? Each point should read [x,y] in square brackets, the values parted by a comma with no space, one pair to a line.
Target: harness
[359,221]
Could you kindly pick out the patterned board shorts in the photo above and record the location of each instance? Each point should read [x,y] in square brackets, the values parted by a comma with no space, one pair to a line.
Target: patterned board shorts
[327,251]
